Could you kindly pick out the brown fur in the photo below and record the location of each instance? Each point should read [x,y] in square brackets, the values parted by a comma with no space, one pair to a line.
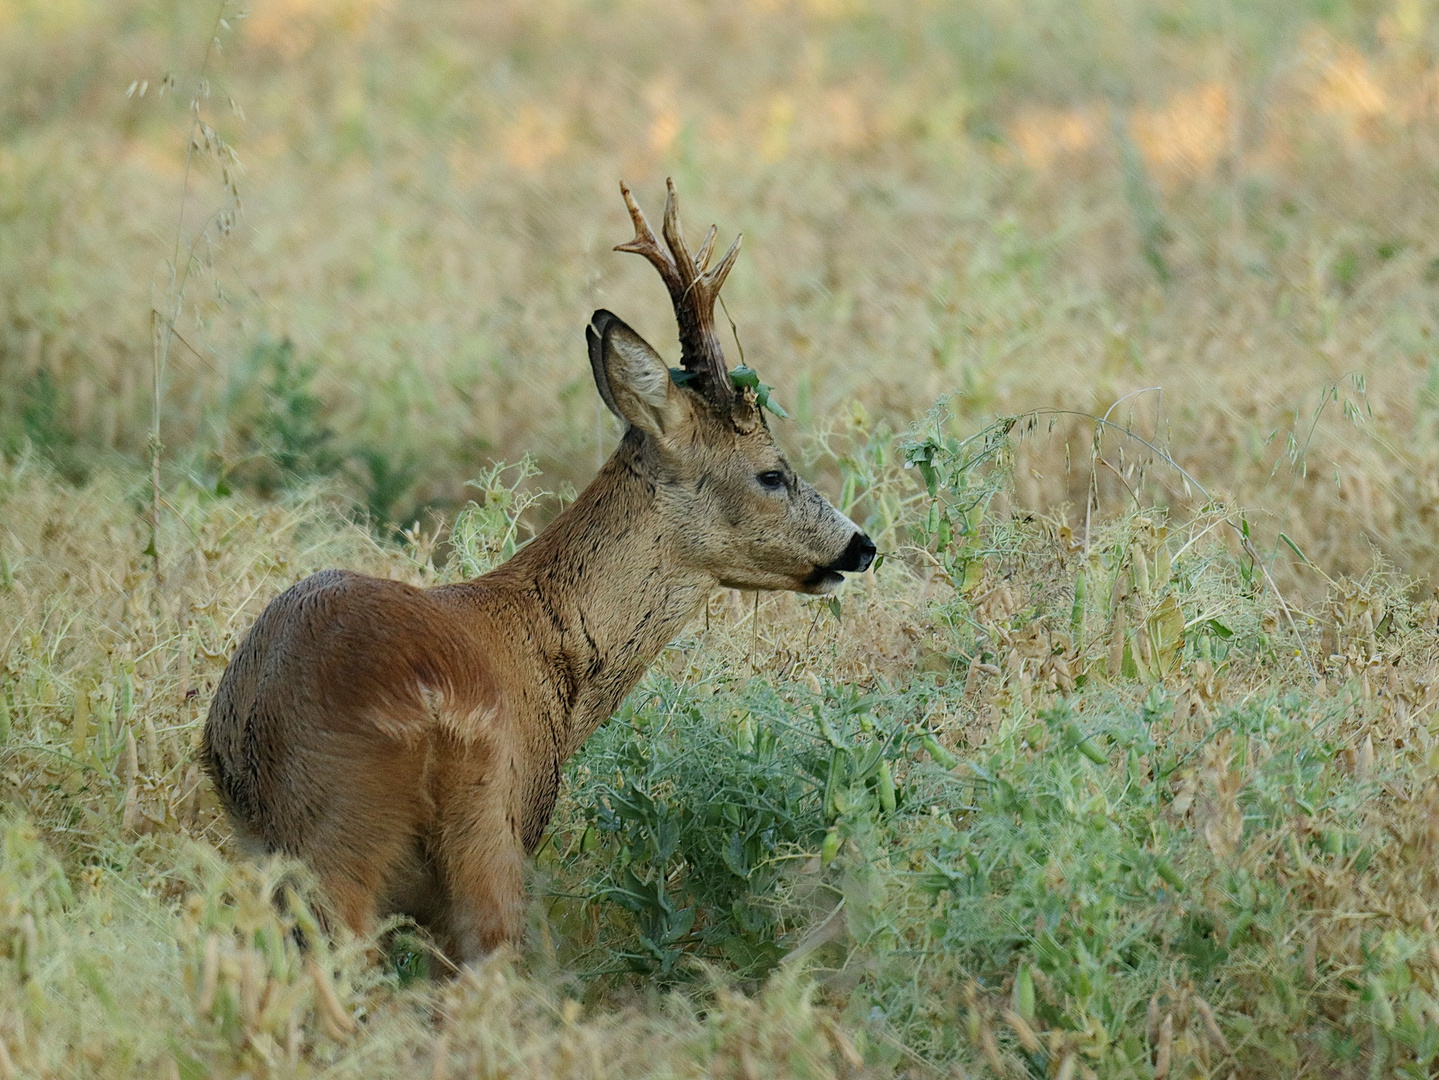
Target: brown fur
[407,743]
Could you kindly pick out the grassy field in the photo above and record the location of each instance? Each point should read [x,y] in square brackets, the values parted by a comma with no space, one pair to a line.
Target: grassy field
[1122,763]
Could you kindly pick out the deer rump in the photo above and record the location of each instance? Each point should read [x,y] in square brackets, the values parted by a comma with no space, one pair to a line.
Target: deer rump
[352,717]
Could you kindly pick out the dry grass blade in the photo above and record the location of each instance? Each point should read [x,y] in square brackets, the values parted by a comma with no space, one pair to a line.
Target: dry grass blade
[1163,1048]
[340,1022]
[1211,1026]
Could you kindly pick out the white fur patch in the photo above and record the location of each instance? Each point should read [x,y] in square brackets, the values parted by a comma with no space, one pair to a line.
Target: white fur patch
[642,372]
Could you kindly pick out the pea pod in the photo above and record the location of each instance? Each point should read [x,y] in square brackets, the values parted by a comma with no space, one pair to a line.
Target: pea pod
[942,757]
[944,534]
[838,772]
[931,478]
[80,729]
[885,783]
[1085,745]
[1139,570]
[1166,871]
[1024,993]
[745,733]
[830,848]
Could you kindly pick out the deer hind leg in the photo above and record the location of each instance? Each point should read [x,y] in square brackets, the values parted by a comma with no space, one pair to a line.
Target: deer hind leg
[482,864]
[353,899]
[357,873]
[365,833]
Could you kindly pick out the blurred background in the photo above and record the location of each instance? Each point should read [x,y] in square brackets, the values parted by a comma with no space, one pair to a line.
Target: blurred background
[379,230]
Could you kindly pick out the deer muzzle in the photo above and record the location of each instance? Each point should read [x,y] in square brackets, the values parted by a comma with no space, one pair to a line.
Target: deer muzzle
[856,558]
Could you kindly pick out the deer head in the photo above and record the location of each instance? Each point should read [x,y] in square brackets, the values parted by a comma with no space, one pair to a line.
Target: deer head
[737,509]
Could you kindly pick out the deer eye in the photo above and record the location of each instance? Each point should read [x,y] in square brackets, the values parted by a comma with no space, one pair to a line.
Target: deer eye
[772,480]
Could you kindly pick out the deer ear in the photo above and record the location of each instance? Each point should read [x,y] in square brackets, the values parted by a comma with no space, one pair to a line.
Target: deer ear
[630,376]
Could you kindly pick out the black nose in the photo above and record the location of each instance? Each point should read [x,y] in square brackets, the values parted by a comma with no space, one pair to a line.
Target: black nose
[857,556]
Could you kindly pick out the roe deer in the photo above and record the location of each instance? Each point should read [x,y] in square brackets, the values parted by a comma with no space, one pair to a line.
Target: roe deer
[407,743]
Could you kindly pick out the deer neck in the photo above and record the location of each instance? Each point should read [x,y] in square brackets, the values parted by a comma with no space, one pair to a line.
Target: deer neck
[605,593]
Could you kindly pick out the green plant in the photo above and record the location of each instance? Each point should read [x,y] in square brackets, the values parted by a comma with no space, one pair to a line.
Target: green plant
[277,419]
[695,810]
[384,482]
[960,477]
[491,529]
[290,427]
[43,423]
[1143,200]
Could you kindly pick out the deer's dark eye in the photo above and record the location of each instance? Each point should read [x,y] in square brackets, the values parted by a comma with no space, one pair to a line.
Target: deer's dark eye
[772,480]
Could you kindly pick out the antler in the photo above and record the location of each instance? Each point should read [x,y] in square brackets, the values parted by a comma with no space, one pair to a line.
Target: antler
[693,290]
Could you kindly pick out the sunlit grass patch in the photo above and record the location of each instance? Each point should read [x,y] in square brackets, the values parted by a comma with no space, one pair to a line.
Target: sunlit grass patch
[1120,764]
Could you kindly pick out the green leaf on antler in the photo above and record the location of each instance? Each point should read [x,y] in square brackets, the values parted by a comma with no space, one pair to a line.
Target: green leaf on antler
[746,377]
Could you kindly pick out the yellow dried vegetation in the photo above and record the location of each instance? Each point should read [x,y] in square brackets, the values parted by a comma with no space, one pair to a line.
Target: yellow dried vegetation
[1158,798]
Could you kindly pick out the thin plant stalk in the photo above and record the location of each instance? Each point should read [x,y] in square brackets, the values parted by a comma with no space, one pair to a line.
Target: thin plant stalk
[163,330]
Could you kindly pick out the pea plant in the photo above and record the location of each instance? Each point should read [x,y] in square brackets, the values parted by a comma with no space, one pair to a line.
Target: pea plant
[961,478]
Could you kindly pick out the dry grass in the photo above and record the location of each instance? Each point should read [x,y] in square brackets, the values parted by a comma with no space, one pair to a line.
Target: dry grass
[1048,211]
[1299,816]
[135,945]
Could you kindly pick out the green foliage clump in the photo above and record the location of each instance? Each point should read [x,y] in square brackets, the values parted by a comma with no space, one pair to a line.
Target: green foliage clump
[277,437]
[278,421]
[696,808]
[491,528]
[38,421]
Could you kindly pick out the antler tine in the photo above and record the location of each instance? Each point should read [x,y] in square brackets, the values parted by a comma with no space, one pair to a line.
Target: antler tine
[714,279]
[702,256]
[675,236]
[646,243]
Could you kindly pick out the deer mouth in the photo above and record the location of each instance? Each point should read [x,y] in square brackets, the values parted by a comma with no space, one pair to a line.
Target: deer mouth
[823,580]
[858,555]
